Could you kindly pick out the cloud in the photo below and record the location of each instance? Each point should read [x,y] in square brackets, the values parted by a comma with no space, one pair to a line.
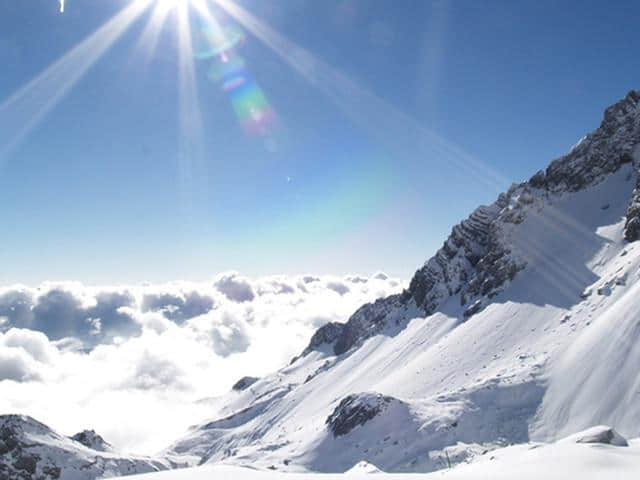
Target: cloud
[77,356]
[229,336]
[69,310]
[34,343]
[15,306]
[155,372]
[178,306]
[380,276]
[356,279]
[17,365]
[338,287]
[234,287]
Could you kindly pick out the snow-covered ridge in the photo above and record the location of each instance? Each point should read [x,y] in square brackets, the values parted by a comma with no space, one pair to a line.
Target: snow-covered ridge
[476,261]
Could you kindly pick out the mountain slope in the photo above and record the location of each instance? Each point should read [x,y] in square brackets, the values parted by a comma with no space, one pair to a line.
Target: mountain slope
[589,455]
[502,337]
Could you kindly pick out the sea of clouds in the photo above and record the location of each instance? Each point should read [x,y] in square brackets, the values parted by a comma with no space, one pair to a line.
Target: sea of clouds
[133,361]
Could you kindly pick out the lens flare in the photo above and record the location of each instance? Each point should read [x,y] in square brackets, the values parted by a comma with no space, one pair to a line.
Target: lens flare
[229,70]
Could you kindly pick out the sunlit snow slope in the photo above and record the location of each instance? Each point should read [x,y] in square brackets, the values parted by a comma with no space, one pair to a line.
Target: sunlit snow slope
[568,458]
[524,326]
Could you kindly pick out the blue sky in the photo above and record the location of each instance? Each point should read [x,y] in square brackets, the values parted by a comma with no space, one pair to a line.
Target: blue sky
[359,169]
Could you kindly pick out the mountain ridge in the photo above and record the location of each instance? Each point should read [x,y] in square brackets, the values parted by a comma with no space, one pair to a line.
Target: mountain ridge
[486,265]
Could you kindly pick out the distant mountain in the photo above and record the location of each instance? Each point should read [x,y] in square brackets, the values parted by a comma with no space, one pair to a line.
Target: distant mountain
[30,450]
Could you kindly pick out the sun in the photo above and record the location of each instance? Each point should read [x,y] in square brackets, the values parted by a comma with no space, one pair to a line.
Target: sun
[170,4]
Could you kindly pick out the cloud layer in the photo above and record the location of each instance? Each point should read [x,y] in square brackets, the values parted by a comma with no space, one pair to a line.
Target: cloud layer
[118,358]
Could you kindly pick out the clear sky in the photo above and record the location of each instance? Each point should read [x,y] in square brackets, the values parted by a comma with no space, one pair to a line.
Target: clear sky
[335,136]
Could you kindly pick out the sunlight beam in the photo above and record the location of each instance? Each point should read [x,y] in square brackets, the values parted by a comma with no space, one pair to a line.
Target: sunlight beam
[148,41]
[399,132]
[384,122]
[191,148]
[26,108]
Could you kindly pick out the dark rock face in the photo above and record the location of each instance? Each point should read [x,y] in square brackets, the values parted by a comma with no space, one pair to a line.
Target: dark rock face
[355,410]
[244,383]
[367,321]
[475,262]
[632,224]
[325,335]
[17,462]
[90,439]
[601,152]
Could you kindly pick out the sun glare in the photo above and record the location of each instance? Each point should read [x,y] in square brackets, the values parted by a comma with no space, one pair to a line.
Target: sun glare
[169,4]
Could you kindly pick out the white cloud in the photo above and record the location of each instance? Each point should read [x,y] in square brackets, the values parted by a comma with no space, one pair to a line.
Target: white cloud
[17,365]
[235,287]
[35,343]
[77,357]
[338,287]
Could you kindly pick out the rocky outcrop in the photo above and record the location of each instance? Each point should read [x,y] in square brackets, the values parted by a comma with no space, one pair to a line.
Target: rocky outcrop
[601,152]
[325,335]
[244,383]
[90,439]
[632,224]
[356,410]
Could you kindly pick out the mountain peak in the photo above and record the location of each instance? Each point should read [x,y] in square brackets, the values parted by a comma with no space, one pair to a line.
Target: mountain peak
[90,439]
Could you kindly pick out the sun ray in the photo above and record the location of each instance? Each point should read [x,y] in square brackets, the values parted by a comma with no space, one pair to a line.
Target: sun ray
[148,41]
[366,109]
[191,149]
[396,130]
[22,112]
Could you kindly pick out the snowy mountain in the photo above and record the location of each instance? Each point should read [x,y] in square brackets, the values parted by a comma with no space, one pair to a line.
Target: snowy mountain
[522,328]
[30,450]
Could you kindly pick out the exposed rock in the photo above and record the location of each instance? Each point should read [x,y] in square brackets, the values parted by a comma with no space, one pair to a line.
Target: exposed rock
[367,321]
[244,383]
[632,225]
[325,335]
[602,151]
[355,410]
[90,439]
[474,308]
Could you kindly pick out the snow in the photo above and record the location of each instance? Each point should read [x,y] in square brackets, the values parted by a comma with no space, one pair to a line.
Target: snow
[535,461]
